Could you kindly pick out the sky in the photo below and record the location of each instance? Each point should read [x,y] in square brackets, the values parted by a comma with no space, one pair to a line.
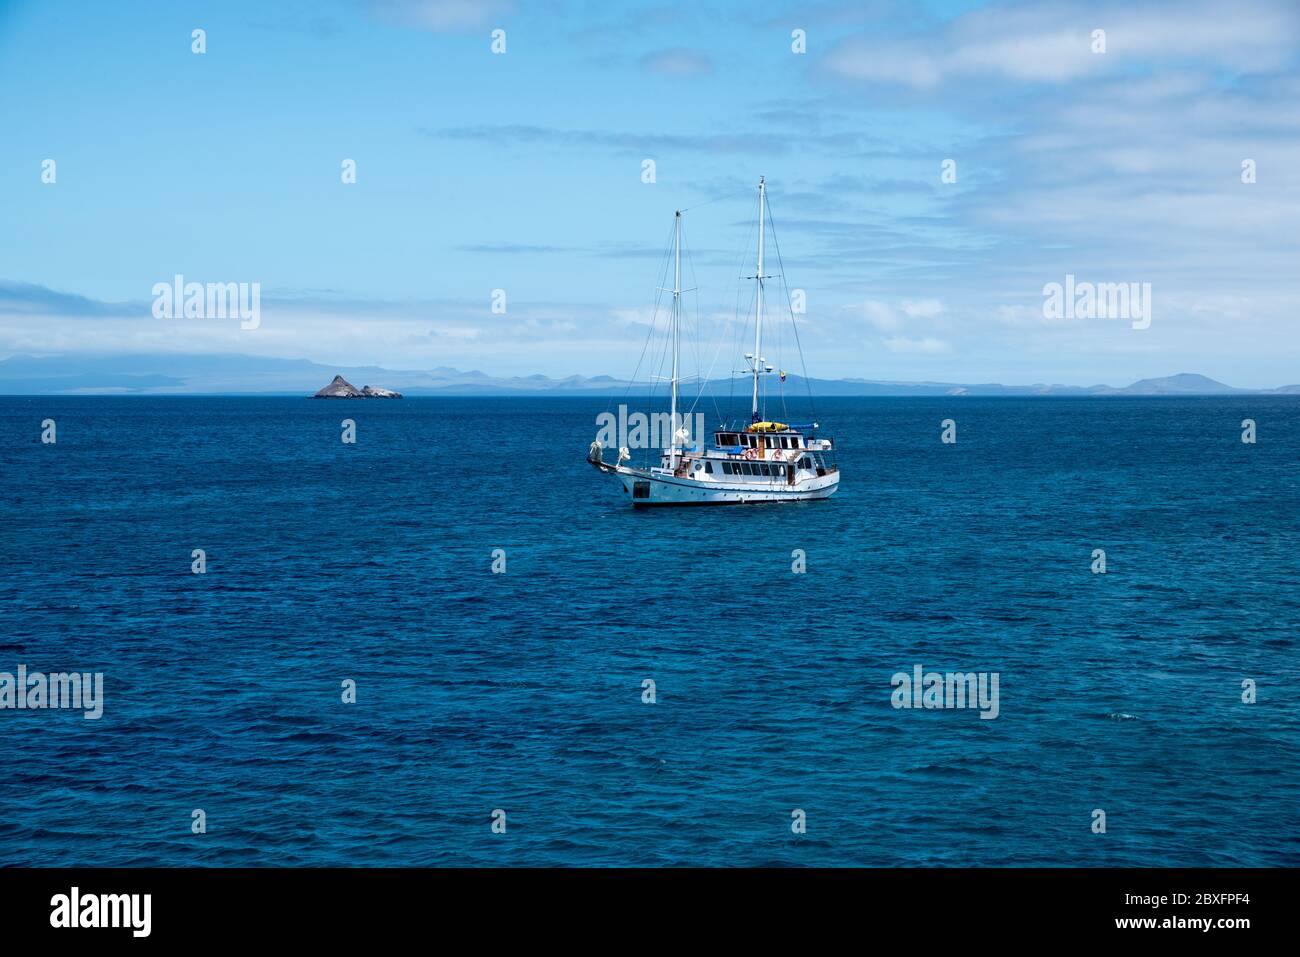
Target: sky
[523,171]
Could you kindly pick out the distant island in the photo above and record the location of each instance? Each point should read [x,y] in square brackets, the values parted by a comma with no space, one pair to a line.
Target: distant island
[341,388]
[172,374]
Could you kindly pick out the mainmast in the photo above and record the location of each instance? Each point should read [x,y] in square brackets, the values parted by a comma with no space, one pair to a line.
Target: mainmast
[677,293]
[758,314]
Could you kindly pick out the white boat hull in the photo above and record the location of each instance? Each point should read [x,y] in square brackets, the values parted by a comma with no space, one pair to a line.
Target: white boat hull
[663,488]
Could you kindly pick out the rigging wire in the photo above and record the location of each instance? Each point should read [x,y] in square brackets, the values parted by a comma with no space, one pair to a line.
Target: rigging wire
[716,199]
[812,406]
[654,318]
[737,345]
[704,380]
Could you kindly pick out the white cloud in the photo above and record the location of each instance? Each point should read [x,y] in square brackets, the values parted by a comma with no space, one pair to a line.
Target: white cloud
[441,16]
[677,63]
[922,308]
[1052,43]
[881,316]
[926,346]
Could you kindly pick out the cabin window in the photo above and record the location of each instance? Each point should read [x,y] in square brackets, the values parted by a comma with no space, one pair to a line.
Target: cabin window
[785,442]
[794,441]
[708,467]
[747,468]
[767,469]
[640,489]
[727,467]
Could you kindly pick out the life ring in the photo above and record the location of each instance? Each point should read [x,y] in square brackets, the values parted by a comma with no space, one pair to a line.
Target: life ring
[750,454]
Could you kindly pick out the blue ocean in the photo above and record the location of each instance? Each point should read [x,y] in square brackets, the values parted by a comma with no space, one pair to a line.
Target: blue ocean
[522,691]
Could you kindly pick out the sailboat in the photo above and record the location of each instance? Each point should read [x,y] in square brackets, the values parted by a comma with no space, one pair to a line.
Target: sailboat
[764,461]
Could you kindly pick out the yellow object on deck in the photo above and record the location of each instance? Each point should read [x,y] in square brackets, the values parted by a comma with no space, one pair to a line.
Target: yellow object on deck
[768,427]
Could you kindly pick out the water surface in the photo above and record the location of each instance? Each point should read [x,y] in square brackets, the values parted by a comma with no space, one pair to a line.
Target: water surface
[522,691]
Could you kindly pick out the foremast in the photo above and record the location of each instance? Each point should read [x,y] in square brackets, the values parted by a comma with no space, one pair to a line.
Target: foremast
[677,295]
[756,359]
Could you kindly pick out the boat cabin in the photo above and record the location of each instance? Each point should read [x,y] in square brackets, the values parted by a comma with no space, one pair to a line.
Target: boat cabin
[752,440]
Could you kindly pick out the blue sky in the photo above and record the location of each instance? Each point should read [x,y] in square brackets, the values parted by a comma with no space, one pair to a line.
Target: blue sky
[522,172]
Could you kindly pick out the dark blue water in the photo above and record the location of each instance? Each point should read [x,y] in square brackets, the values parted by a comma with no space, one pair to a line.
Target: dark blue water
[522,691]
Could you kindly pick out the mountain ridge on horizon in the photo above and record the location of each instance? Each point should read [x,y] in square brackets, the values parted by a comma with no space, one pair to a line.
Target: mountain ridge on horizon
[161,374]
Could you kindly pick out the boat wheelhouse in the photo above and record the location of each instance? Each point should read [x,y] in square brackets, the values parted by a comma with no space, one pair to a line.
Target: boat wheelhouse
[765,461]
